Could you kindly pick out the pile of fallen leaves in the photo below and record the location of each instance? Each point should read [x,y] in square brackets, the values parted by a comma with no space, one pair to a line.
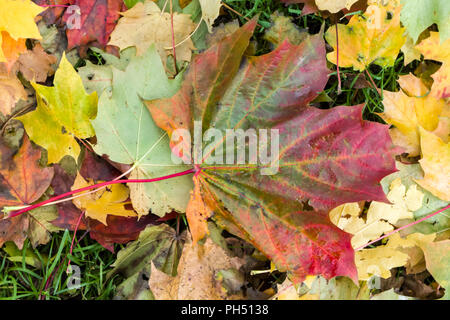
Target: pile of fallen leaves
[90,99]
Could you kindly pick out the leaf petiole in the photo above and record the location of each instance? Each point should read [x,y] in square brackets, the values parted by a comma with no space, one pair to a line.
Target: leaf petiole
[99,185]
[7,210]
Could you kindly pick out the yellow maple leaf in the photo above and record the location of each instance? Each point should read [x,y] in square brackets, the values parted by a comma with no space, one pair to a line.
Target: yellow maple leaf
[63,112]
[435,163]
[145,24]
[381,217]
[290,291]
[412,246]
[433,49]
[334,5]
[319,288]
[410,108]
[410,51]
[17,19]
[99,204]
[412,86]
[398,252]
[374,37]
[378,261]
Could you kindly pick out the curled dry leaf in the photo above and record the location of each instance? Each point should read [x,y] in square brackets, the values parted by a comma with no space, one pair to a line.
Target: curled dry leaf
[53,39]
[197,270]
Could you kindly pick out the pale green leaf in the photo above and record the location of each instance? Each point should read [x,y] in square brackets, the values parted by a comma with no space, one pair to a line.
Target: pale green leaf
[127,134]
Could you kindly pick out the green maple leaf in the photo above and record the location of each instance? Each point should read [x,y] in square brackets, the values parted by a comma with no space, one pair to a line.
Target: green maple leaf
[63,112]
[417,15]
[437,257]
[127,134]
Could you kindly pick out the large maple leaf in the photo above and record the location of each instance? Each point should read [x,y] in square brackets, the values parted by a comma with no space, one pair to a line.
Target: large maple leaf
[326,158]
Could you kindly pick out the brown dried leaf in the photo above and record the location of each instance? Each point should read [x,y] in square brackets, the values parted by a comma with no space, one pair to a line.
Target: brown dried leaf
[197,270]
[35,65]
[144,25]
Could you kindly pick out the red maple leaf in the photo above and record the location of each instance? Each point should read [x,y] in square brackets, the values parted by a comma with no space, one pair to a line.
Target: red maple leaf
[326,157]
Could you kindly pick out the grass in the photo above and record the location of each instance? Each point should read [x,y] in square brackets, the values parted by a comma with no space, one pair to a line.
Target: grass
[20,280]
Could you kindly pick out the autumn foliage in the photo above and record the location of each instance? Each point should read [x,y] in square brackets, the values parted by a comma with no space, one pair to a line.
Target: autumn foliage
[91,97]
